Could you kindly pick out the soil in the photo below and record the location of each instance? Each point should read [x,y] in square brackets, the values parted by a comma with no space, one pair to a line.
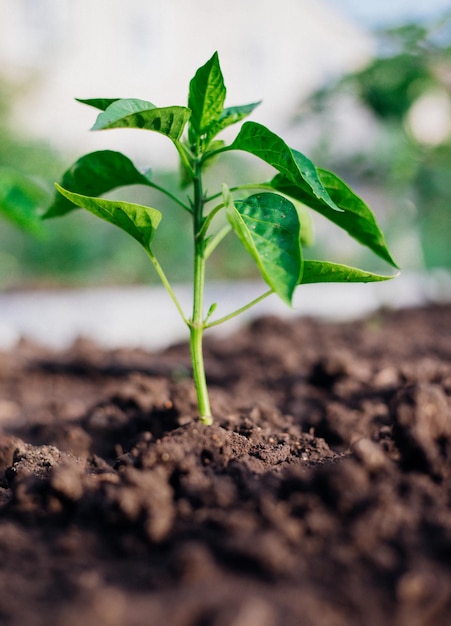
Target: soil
[320,496]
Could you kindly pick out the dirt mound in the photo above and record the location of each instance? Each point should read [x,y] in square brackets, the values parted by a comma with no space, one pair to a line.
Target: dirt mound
[320,496]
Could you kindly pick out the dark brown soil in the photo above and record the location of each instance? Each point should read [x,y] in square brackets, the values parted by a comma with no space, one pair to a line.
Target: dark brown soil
[321,496]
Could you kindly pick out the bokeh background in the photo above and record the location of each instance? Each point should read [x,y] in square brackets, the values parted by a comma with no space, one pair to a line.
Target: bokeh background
[362,88]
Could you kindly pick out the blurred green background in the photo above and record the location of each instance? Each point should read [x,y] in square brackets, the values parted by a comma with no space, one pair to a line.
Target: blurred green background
[385,129]
[402,160]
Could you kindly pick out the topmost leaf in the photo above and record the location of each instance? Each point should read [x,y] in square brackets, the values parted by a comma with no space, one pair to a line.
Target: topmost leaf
[207,94]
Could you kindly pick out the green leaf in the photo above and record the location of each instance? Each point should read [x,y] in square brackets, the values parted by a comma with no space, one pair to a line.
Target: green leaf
[133,113]
[325,272]
[207,94]
[231,115]
[356,218]
[263,143]
[98,103]
[138,221]
[267,225]
[93,175]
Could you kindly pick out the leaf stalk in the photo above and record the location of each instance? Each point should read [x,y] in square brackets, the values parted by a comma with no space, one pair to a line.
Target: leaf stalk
[242,309]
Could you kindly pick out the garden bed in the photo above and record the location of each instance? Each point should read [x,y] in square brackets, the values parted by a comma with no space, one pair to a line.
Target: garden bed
[320,496]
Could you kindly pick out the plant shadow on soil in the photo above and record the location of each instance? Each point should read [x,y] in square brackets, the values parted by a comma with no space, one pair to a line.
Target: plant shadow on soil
[320,496]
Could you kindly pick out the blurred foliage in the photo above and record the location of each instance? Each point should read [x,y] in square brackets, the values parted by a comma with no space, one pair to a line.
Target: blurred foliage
[82,250]
[402,99]
[22,163]
[20,197]
[26,168]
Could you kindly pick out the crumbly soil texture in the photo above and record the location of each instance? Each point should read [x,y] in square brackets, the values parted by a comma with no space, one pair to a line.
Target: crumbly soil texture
[321,495]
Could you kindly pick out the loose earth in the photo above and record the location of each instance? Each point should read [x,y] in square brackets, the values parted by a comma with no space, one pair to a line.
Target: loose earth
[321,496]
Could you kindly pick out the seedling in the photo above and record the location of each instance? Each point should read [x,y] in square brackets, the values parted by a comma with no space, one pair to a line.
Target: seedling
[268,218]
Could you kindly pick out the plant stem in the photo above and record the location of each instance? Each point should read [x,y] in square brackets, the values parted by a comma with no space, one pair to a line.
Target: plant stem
[185,157]
[209,219]
[197,324]
[196,337]
[263,186]
[170,195]
[240,310]
[167,285]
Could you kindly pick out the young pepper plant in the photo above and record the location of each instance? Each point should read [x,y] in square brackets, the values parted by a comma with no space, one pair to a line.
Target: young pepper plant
[270,222]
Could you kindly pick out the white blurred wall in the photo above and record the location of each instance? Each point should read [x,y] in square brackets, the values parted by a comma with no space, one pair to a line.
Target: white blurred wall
[149,49]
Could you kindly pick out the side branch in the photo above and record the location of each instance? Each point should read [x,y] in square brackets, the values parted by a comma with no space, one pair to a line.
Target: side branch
[240,310]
